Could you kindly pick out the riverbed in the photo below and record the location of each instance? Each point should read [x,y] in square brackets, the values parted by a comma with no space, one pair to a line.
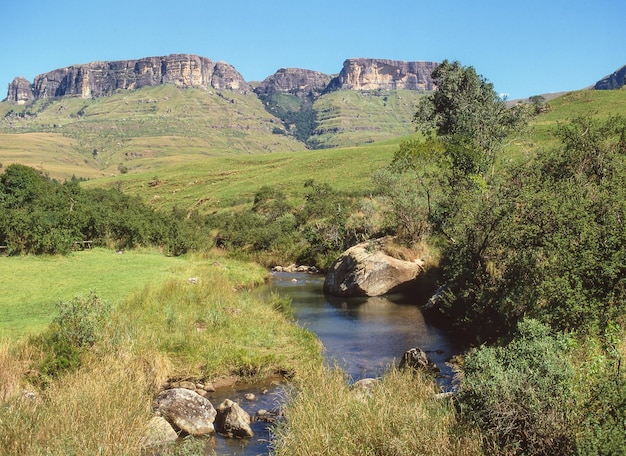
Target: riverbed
[362,336]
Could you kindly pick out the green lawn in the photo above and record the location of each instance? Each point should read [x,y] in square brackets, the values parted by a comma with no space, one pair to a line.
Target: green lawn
[33,285]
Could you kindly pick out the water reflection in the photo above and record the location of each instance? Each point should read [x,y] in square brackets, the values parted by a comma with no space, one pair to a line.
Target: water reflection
[364,335]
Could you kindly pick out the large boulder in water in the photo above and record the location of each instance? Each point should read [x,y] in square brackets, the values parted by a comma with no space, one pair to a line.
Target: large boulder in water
[366,270]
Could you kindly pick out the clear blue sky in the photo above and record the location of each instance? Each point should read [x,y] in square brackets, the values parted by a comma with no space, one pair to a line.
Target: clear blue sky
[524,47]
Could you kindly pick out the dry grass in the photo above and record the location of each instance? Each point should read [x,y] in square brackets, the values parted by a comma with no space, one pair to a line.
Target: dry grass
[102,409]
[401,417]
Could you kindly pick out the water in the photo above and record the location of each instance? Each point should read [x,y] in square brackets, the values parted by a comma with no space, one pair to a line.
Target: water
[362,336]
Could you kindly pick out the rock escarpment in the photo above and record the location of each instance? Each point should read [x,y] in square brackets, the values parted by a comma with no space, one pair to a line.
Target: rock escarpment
[97,79]
[296,81]
[613,81]
[374,74]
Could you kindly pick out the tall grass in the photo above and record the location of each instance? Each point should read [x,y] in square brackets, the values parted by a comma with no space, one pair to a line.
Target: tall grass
[171,329]
[103,409]
[401,417]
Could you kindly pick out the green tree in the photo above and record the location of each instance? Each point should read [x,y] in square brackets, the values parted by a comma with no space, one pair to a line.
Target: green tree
[465,106]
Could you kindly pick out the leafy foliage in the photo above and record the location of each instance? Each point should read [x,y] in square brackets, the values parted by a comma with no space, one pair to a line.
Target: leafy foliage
[41,216]
[547,240]
[465,105]
[77,326]
[520,394]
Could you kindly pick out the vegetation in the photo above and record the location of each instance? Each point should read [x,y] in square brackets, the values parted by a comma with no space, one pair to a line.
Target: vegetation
[103,381]
[41,216]
[528,229]
[398,416]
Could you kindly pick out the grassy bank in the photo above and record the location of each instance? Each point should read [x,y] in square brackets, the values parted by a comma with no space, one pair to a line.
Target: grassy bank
[399,416]
[96,398]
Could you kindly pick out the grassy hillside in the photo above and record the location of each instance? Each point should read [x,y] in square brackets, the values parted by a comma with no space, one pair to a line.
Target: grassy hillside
[222,182]
[600,103]
[348,117]
[149,127]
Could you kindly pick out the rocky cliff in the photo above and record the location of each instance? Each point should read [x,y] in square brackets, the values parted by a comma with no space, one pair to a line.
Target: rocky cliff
[296,81]
[613,81]
[373,74]
[98,79]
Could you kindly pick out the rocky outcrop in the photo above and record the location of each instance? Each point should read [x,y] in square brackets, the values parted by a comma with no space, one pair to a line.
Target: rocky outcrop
[366,270]
[97,79]
[186,411]
[613,81]
[20,92]
[296,81]
[373,74]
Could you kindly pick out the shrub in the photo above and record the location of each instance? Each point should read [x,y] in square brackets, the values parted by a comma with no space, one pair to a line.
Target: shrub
[77,326]
[520,395]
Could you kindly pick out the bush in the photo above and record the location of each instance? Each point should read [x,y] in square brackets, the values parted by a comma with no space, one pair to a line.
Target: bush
[77,326]
[520,395]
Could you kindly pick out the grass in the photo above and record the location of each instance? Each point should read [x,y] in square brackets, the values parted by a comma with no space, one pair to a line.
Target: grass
[400,416]
[168,329]
[352,117]
[217,183]
[34,284]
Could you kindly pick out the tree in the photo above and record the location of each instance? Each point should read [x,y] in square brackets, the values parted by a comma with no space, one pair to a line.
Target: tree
[466,108]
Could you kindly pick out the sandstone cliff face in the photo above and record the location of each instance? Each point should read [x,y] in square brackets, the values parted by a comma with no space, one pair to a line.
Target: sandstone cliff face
[373,74]
[613,81]
[98,79]
[296,81]
[20,91]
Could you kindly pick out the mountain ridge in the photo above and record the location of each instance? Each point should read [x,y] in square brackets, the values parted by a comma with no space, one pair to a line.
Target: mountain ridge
[96,79]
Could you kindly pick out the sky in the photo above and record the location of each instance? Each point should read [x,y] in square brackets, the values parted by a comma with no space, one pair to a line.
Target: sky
[523,47]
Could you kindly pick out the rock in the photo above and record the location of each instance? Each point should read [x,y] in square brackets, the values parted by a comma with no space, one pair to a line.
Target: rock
[186,411]
[232,420]
[159,432]
[417,359]
[97,79]
[250,397]
[363,388]
[613,81]
[374,74]
[366,270]
[295,81]
[20,92]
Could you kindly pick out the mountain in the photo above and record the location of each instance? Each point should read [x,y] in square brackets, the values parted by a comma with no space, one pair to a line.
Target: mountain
[97,79]
[616,80]
[117,111]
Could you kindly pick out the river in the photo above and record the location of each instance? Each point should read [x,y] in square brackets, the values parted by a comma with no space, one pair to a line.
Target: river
[360,335]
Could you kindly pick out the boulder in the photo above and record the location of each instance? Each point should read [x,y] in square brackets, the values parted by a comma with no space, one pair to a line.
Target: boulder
[366,270]
[232,420]
[417,359]
[159,432]
[186,411]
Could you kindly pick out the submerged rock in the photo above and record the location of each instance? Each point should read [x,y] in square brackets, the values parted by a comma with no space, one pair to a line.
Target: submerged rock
[417,359]
[232,420]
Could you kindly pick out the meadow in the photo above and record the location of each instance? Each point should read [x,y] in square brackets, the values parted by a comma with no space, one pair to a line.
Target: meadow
[35,284]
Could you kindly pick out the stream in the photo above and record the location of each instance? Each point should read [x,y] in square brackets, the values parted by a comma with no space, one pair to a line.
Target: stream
[362,336]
